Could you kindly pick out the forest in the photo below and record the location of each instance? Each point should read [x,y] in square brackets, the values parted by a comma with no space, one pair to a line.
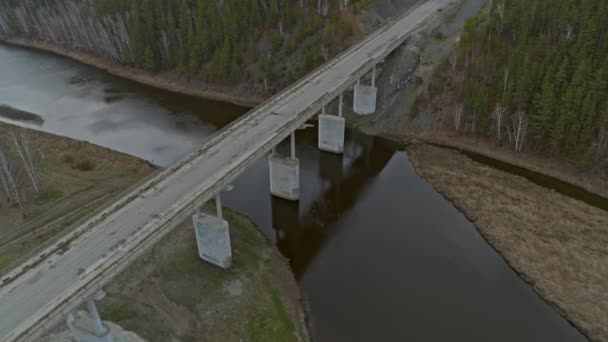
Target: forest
[272,42]
[533,75]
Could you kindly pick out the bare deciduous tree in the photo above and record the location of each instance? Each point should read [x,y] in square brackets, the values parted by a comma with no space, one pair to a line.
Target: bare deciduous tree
[457,115]
[498,115]
[599,147]
[9,177]
[27,152]
[520,129]
[500,13]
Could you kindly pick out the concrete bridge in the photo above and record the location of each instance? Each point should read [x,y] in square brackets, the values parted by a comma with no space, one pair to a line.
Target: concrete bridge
[50,286]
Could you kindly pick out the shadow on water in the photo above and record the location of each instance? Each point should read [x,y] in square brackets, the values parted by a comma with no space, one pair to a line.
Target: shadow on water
[548,182]
[300,237]
[379,254]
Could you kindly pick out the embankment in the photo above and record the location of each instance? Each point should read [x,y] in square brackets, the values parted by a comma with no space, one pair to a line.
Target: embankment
[169,293]
[75,178]
[556,243]
[560,169]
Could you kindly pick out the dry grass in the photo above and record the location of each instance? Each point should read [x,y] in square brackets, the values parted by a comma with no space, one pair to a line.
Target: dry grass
[558,244]
[78,179]
[591,180]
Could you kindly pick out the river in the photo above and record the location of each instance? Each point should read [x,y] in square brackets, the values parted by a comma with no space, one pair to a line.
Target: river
[378,253]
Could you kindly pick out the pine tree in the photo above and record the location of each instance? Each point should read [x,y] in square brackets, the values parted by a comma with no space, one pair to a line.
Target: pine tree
[149,60]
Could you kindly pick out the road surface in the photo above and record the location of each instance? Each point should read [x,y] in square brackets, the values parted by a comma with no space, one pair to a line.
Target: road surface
[55,282]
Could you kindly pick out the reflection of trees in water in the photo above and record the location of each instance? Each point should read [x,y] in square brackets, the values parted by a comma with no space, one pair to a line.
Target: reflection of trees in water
[301,237]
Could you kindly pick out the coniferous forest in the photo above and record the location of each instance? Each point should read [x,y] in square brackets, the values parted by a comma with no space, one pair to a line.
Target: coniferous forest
[534,75]
[268,41]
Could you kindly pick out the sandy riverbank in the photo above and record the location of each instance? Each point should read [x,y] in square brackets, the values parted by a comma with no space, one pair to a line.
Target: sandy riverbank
[556,243]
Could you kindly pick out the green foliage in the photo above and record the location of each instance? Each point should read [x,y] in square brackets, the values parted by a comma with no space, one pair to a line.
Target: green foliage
[555,53]
[200,38]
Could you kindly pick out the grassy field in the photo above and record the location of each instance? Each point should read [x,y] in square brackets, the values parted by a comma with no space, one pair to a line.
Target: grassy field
[77,179]
[172,295]
[556,243]
[169,294]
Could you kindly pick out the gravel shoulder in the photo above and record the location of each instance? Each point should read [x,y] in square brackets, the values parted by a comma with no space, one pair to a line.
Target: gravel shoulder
[556,243]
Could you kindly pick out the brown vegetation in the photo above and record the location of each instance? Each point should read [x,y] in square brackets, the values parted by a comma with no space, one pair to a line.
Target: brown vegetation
[66,194]
[559,168]
[556,243]
[170,294]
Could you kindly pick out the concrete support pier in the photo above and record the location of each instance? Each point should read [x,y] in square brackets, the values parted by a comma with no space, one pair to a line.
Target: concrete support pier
[365,96]
[88,326]
[213,237]
[285,174]
[331,131]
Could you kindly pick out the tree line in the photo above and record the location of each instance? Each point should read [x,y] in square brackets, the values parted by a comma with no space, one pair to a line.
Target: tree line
[220,40]
[534,74]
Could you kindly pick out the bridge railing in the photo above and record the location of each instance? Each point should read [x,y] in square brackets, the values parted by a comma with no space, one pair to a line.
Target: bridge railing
[160,226]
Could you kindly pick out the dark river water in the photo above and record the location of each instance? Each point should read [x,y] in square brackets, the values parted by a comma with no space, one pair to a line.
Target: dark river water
[378,253]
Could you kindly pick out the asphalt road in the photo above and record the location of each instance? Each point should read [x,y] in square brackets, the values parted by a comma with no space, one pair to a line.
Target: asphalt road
[26,302]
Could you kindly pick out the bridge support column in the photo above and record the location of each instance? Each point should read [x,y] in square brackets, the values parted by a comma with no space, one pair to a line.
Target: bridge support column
[365,96]
[285,173]
[213,236]
[88,326]
[331,130]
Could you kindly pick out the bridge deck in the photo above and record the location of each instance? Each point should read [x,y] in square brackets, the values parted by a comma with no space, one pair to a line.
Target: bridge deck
[60,279]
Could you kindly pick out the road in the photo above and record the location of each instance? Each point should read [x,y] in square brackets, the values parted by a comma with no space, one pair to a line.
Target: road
[61,278]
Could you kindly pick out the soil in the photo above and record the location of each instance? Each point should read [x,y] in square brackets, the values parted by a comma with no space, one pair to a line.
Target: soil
[556,243]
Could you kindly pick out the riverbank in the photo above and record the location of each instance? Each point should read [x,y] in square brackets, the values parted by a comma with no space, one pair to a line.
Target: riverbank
[75,178]
[560,169]
[556,243]
[166,81]
[169,293]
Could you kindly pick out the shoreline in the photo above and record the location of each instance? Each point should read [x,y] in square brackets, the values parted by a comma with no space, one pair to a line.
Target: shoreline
[257,298]
[557,248]
[260,274]
[543,165]
[561,170]
[215,93]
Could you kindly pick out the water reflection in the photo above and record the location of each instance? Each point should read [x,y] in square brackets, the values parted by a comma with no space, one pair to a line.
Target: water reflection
[378,253]
[301,236]
[86,104]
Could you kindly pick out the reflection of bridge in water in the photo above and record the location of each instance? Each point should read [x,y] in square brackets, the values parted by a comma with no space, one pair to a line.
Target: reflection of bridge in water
[53,283]
[302,237]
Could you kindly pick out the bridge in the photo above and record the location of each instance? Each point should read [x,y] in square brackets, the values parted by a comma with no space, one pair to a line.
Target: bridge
[51,285]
